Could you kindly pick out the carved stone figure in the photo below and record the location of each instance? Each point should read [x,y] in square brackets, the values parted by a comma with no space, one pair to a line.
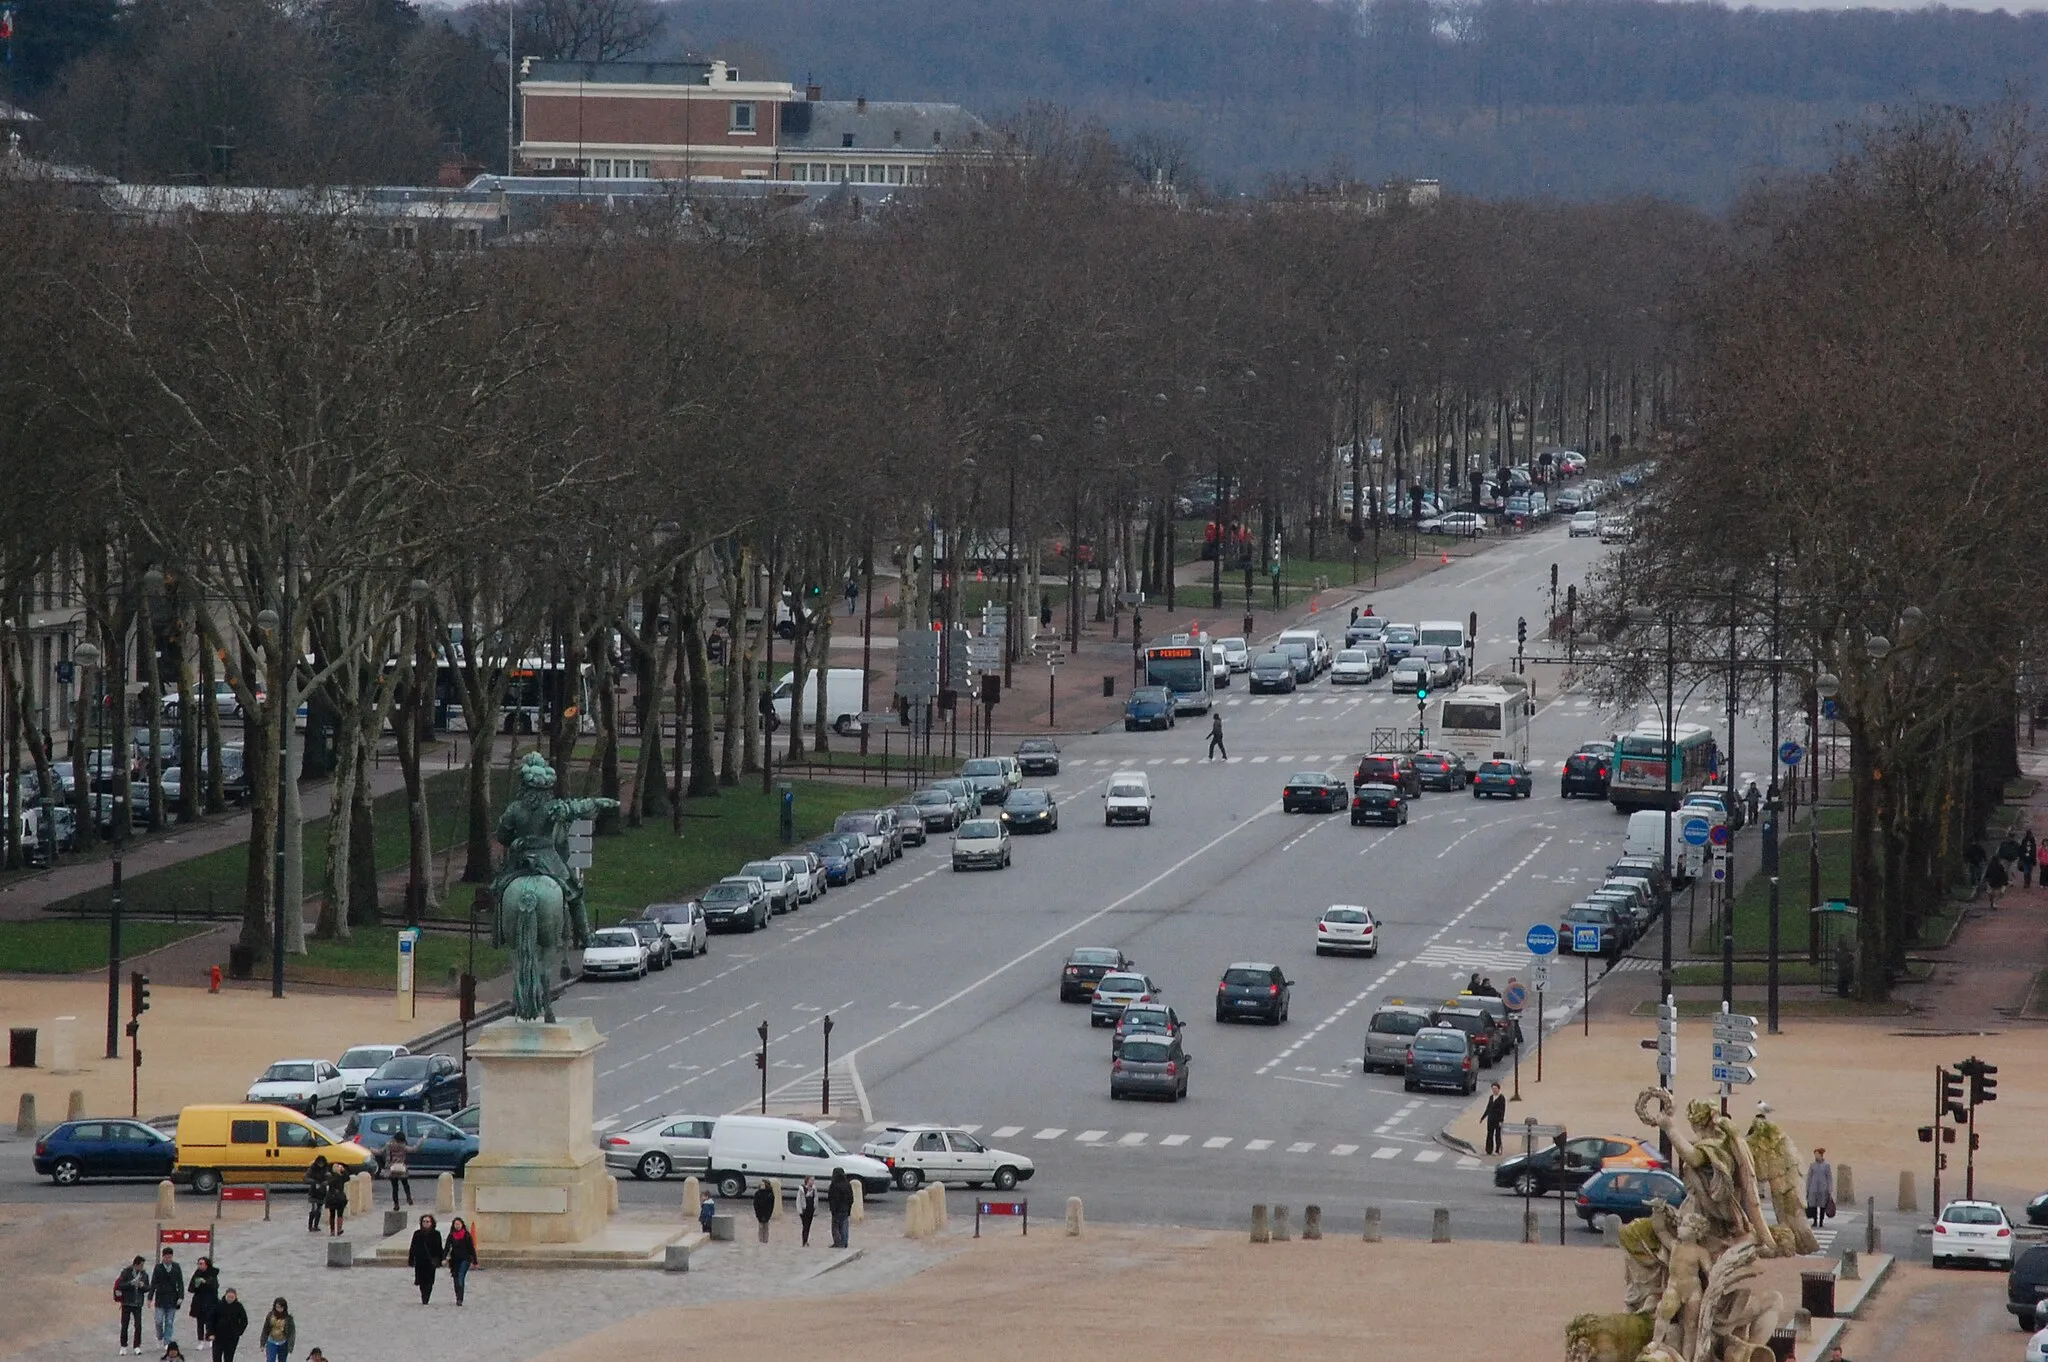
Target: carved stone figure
[539,897]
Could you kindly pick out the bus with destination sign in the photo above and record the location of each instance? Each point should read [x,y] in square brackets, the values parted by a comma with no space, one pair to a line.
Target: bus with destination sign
[1488,722]
[1180,662]
[1639,767]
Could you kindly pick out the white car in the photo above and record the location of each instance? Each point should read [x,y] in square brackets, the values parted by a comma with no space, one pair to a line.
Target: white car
[778,880]
[1237,653]
[1347,927]
[1617,530]
[918,1154]
[1464,524]
[1972,1229]
[1586,525]
[810,880]
[2037,1347]
[683,924]
[981,841]
[1128,799]
[1354,667]
[615,953]
[308,1085]
[358,1062]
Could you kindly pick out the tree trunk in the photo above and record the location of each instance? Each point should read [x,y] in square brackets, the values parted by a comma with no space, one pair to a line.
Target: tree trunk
[260,766]
[192,646]
[607,824]
[694,670]
[1866,890]
[365,903]
[819,633]
[216,793]
[650,672]
[333,921]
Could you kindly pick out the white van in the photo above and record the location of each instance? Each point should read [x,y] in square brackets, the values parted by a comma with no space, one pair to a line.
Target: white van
[1645,837]
[842,699]
[1318,646]
[746,1149]
[1128,799]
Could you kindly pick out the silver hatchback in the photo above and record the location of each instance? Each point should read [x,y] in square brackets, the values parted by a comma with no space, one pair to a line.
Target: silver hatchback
[666,1145]
[1150,1066]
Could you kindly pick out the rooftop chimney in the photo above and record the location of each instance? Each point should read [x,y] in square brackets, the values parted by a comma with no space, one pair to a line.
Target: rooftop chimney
[861,105]
[814,93]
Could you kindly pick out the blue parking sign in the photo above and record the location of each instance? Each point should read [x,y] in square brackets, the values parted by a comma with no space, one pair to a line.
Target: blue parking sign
[1586,938]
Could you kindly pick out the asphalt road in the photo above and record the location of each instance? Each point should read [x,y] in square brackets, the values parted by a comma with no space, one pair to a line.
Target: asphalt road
[942,985]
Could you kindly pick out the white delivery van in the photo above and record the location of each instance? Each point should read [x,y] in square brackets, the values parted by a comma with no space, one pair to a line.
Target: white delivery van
[842,699]
[746,1149]
[1128,799]
[1645,837]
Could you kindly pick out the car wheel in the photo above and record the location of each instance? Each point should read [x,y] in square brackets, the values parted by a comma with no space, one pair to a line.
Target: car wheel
[909,1178]
[1322,950]
[1221,1015]
[652,1167]
[1407,1086]
[1146,820]
[206,1181]
[1526,1184]
[1114,1095]
[1006,1178]
[67,1172]
[731,1185]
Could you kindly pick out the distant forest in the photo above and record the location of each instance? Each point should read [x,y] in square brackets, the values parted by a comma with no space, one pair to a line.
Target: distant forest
[1572,99]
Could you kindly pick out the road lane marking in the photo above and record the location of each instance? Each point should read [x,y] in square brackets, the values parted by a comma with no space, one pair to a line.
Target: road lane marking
[1173,1141]
[1428,1155]
[1005,1132]
[1133,1140]
[1387,1152]
[1301,1146]
[1217,1142]
[1089,1136]
[1050,1133]
[1341,1150]
[1254,1146]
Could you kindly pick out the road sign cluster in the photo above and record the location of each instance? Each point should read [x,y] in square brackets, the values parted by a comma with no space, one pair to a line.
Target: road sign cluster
[1734,1048]
[1667,1039]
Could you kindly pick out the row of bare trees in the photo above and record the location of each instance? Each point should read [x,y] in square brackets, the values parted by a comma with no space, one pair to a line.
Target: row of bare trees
[271,453]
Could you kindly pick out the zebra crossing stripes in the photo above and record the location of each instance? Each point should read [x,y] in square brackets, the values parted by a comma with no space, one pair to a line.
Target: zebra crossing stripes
[1466,960]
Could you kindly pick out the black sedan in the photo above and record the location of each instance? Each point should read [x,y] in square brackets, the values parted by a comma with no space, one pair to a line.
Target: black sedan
[78,1150]
[1272,672]
[1084,970]
[1315,792]
[416,1083]
[1585,773]
[1031,810]
[1254,990]
[1038,757]
[1378,804]
[1442,771]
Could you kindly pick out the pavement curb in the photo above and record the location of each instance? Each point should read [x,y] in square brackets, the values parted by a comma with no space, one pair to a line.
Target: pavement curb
[845,1259]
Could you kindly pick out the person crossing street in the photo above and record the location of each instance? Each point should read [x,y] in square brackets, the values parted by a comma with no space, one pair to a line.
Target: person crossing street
[1216,738]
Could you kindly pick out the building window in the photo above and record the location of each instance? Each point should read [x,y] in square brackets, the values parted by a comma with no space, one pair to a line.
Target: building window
[876,174]
[917,175]
[643,170]
[405,237]
[796,173]
[742,116]
[753,174]
[857,174]
[469,238]
[895,174]
[818,175]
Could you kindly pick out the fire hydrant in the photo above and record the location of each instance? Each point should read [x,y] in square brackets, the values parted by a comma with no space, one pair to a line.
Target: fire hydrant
[213,982]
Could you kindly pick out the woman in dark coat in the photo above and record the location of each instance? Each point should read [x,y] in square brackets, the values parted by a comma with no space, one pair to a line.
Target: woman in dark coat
[230,1322]
[425,1256]
[316,1193]
[461,1250]
[205,1290]
[337,1198]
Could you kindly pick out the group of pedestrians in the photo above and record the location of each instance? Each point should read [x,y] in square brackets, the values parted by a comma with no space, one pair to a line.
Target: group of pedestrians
[429,1252]
[219,1318]
[327,1192]
[838,1206]
[2016,859]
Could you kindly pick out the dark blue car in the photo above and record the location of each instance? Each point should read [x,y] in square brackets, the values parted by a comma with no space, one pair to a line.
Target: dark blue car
[104,1149]
[437,1145]
[1627,1193]
[841,865]
[1149,707]
[416,1083]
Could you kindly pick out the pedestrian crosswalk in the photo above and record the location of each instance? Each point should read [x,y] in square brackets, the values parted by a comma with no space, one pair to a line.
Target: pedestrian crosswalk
[1024,1137]
[1472,960]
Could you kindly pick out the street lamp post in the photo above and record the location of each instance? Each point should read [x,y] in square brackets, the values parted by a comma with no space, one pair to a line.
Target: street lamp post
[90,656]
[278,625]
[1773,808]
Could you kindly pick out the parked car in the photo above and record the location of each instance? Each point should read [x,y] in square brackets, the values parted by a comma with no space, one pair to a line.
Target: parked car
[776,881]
[1440,1057]
[867,824]
[77,1150]
[419,1083]
[1084,968]
[809,869]
[1347,928]
[1490,1037]
[1314,792]
[1463,524]
[1597,917]
[981,842]
[308,1085]
[996,776]
[1039,757]
[661,952]
[938,809]
[1117,990]
[616,953]
[1377,803]
[1254,989]
[1150,1066]
[917,1154]
[358,1062]
[1626,1193]
[470,1120]
[661,1146]
[1150,707]
[735,906]
[1976,1231]
[909,822]
[1497,778]
[1389,1032]
[436,1146]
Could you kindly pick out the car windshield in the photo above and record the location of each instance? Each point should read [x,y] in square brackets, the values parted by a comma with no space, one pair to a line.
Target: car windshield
[1403,633]
[1121,983]
[1972,1215]
[1091,956]
[1274,660]
[365,1057]
[1136,1018]
[720,892]
[931,797]
[1146,1051]
[1028,799]
[1292,647]
[1458,1021]
[616,937]
[1247,978]
[765,870]
[405,1066]
[858,822]
[982,766]
[1346,915]
[1496,768]
[1448,1044]
[1232,645]
[1149,695]
[1035,745]
[1588,915]
[1308,778]
[980,827]
[1358,655]
[1127,791]
[666,912]
[1395,1023]
[287,1073]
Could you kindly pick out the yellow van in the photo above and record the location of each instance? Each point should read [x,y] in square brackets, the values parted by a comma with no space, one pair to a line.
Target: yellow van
[254,1142]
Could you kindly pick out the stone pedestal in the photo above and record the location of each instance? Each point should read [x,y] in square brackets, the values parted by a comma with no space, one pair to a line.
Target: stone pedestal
[539,1178]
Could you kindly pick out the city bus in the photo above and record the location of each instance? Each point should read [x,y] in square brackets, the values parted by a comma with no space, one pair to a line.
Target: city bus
[1485,722]
[1180,662]
[1639,762]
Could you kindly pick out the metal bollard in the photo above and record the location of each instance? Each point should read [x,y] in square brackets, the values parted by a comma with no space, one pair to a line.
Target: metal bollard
[1532,1229]
[1073,1216]
[1440,1226]
[1873,1237]
[1262,1228]
[1312,1221]
[1909,1197]
[25,1117]
[1372,1224]
[693,1197]
[1845,1186]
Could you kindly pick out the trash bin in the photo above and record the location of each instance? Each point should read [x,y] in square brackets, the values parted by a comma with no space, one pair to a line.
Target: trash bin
[241,962]
[21,1047]
[1108,686]
[1784,1343]
[1845,970]
[1817,1294]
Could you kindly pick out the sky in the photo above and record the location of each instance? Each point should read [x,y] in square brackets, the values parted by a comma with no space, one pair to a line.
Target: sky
[2012,6]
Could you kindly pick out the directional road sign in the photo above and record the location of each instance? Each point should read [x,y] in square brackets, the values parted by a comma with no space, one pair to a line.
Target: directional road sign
[1734,1073]
[1695,831]
[1734,1026]
[1790,752]
[1540,975]
[1543,939]
[1586,938]
[1729,1052]
[881,719]
[1718,834]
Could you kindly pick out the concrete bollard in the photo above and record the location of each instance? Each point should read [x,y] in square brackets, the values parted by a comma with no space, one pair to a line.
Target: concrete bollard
[64,1046]
[1532,1229]
[1372,1224]
[725,1228]
[1073,1216]
[1279,1224]
[675,1258]
[1262,1226]
[1845,1186]
[166,1200]
[1851,1269]
[1312,1221]
[940,1209]
[1440,1225]
[444,1194]
[1873,1237]
[1802,1322]
[693,1198]
[362,1191]
[1909,1198]
[860,1201]
[74,1105]
[1610,1231]
[611,1193]
[25,1116]
[394,1222]
[341,1253]
[915,1215]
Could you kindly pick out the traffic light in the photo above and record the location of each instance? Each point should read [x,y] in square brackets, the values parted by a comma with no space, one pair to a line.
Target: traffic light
[138,993]
[1553,579]
[1521,634]
[1951,1099]
[760,1059]
[1927,1134]
[1421,695]
[1983,1087]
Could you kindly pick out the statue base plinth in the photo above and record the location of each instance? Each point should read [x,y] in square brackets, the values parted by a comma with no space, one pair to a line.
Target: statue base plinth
[539,1178]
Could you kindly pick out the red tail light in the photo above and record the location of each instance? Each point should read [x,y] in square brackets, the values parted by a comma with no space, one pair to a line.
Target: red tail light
[1393,803]
[1585,1200]
[1468,1064]
[1116,1066]
[1273,989]
[1223,987]
[618,1140]
[1073,969]
[42,1148]
[1940,1228]
[2003,1233]
[1411,1054]
[1172,1069]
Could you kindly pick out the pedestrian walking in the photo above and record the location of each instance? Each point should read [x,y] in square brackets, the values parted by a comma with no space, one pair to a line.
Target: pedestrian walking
[398,1167]
[1354,614]
[461,1250]
[1755,799]
[1973,857]
[230,1322]
[2030,854]
[1495,1117]
[839,1202]
[337,1198]
[167,1293]
[279,1332]
[1995,879]
[807,1207]
[1216,738]
[764,1208]
[1820,1188]
[205,1289]
[316,1191]
[424,1256]
[131,1289]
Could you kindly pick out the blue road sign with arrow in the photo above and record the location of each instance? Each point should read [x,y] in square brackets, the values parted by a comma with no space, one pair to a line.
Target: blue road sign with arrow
[1790,752]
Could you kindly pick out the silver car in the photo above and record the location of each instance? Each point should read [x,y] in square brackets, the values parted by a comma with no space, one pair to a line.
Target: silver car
[777,881]
[809,870]
[922,1153]
[1116,991]
[679,1145]
[1387,1036]
[683,924]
